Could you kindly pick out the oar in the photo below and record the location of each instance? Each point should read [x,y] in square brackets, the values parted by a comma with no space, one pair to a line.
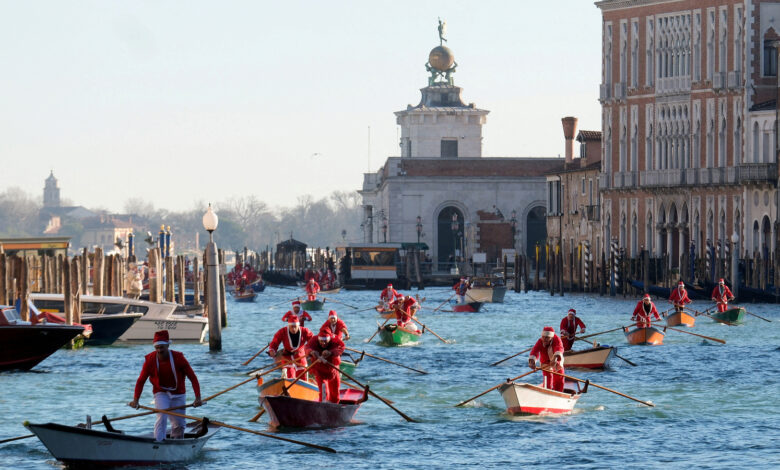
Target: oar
[237,428]
[647,403]
[750,313]
[432,332]
[287,387]
[367,309]
[442,304]
[379,328]
[601,333]
[257,416]
[386,360]
[283,302]
[493,388]
[616,354]
[695,334]
[251,358]
[510,357]
[338,302]
[370,392]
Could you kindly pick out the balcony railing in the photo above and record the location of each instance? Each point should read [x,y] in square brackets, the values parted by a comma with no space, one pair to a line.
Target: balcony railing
[718,80]
[757,172]
[723,175]
[624,179]
[593,213]
[605,91]
[735,79]
[620,91]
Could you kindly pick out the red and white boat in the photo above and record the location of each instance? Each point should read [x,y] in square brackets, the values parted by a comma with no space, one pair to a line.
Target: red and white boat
[527,399]
[591,358]
[467,307]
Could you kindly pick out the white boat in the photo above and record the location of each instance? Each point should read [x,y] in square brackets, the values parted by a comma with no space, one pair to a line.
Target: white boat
[527,399]
[591,358]
[182,327]
[83,446]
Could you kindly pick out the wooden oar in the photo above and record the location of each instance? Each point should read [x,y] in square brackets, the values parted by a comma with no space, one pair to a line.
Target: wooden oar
[510,357]
[616,354]
[442,304]
[695,334]
[237,428]
[283,302]
[252,358]
[601,333]
[257,416]
[371,392]
[432,332]
[379,328]
[762,318]
[386,360]
[493,388]
[338,302]
[647,403]
[367,309]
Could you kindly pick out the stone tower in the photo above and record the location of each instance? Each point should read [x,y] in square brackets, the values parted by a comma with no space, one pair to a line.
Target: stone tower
[51,192]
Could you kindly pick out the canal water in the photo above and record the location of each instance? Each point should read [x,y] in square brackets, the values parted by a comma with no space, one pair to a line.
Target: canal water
[716,405]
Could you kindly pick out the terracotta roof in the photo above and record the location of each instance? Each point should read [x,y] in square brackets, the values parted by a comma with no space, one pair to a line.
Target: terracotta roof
[476,167]
[589,135]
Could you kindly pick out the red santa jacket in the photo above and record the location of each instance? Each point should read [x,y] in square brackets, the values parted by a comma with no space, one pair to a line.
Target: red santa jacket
[641,311]
[546,355]
[335,346]
[337,330]
[403,310]
[679,296]
[302,315]
[282,337]
[388,294]
[569,328]
[180,370]
[722,296]
[312,288]
[461,288]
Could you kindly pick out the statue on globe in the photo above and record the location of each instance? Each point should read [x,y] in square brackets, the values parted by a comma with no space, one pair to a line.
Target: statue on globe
[442,32]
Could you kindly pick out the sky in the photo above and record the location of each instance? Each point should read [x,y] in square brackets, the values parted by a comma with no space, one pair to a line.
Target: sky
[190,101]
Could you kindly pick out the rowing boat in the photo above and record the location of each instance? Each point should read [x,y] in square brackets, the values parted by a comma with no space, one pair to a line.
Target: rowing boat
[83,446]
[680,319]
[467,307]
[246,296]
[489,294]
[312,305]
[591,358]
[527,399]
[394,335]
[335,290]
[289,412]
[732,316]
[300,389]
[644,336]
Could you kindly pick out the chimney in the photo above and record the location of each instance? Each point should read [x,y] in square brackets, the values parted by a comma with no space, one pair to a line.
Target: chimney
[569,129]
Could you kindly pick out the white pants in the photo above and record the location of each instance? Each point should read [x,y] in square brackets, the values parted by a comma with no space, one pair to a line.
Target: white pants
[162,401]
[461,299]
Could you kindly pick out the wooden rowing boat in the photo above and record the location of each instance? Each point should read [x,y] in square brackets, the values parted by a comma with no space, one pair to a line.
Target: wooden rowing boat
[644,336]
[312,305]
[82,446]
[732,316]
[680,319]
[489,294]
[467,307]
[591,358]
[246,296]
[289,412]
[301,389]
[393,335]
[527,399]
[335,290]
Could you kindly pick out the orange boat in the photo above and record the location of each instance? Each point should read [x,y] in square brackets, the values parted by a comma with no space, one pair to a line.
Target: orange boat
[644,336]
[680,319]
[301,389]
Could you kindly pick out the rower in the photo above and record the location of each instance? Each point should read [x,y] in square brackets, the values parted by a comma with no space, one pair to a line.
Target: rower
[293,340]
[679,297]
[388,296]
[326,348]
[303,315]
[461,288]
[405,308]
[163,367]
[722,295]
[312,288]
[335,326]
[569,326]
[548,350]
[644,308]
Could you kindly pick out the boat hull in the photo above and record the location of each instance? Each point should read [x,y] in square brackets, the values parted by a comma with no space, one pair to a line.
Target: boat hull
[312,305]
[108,328]
[348,367]
[81,446]
[467,307]
[288,412]
[644,336]
[24,346]
[591,358]
[732,316]
[181,328]
[494,294]
[680,319]
[300,389]
[393,335]
[527,399]
[247,297]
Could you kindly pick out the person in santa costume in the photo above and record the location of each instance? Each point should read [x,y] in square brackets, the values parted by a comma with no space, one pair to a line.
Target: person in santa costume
[679,297]
[166,370]
[644,308]
[388,296]
[326,348]
[303,316]
[312,288]
[461,288]
[292,339]
[405,308]
[334,326]
[569,326]
[548,351]
[722,295]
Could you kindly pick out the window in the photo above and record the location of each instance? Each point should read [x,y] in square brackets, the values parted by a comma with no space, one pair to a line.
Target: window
[770,59]
[583,185]
[582,150]
[449,148]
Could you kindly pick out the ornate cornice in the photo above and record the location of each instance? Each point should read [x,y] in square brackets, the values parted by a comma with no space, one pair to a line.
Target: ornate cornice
[609,5]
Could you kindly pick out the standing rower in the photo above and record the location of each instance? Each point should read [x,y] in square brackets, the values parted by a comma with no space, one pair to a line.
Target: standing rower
[461,288]
[679,297]
[388,296]
[644,308]
[569,326]
[166,370]
[312,288]
[293,339]
[405,309]
[548,350]
[326,348]
[303,316]
[722,295]
[335,326]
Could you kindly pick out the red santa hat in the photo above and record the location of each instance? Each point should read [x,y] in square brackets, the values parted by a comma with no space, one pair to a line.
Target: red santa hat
[323,336]
[332,314]
[389,286]
[161,337]
[721,281]
[293,320]
[646,297]
[571,310]
[311,280]
[296,303]
[681,284]
[548,332]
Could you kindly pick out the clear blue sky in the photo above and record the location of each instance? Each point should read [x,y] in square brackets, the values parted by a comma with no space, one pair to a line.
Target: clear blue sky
[186,101]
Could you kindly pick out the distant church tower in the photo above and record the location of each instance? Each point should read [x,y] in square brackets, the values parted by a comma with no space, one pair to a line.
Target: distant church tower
[51,192]
[442,125]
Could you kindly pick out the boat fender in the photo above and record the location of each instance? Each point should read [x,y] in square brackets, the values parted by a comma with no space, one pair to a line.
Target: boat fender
[585,388]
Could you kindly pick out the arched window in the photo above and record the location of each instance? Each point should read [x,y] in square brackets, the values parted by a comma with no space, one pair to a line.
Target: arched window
[755,236]
[756,150]
[450,228]
[634,235]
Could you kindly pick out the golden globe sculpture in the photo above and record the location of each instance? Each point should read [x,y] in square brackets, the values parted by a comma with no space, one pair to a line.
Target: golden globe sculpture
[441,58]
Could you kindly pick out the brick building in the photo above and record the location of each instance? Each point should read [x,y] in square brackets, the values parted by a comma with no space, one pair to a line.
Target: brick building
[688,113]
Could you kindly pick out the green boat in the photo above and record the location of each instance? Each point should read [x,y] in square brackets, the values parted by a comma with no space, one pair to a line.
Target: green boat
[392,335]
[312,305]
[732,316]
[348,367]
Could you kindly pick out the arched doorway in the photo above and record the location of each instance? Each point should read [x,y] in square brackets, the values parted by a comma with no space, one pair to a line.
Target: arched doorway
[536,228]
[450,236]
[766,237]
[675,235]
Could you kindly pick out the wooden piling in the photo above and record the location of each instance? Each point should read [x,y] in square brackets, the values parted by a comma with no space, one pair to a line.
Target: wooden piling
[155,284]
[76,288]
[196,280]
[169,279]
[180,264]
[221,278]
[85,271]
[97,272]
[3,280]
[24,288]
[67,293]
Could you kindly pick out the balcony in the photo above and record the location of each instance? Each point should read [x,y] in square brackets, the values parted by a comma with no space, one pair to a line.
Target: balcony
[673,85]
[624,179]
[756,172]
[604,91]
[718,80]
[620,91]
[604,181]
[735,79]
[717,175]
[593,213]
[664,178]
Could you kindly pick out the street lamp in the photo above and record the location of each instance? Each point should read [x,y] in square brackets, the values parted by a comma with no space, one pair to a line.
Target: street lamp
[454,228]
[419,228]
[344,234]
[384,229]
[210,222]
[513,222]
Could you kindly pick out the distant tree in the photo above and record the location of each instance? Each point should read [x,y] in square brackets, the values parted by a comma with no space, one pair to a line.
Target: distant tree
[19,214]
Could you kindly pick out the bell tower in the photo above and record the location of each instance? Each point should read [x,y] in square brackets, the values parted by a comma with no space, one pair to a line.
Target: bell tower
[51,192]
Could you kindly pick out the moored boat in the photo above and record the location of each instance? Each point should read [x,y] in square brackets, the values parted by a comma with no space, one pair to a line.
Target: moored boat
[245,296]
[527,399]
[81,446]
[487,294]
[644,336]
[292,412]
[393,335]
[312,305]
[680,319]
[591,358]
[732,316]
[467,307]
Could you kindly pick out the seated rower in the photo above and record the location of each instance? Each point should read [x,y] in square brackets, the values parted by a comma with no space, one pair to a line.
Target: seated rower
[292,339]
[405,309]
[388,296]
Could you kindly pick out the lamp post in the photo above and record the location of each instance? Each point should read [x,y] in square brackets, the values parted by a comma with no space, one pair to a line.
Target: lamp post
[384,229]
[454,228]
[735,264]
[344,234]
[210,222]
[419,228]
[513,223]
